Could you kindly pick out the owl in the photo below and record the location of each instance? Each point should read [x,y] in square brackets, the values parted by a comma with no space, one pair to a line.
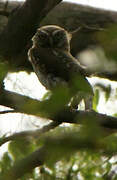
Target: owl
[53,63]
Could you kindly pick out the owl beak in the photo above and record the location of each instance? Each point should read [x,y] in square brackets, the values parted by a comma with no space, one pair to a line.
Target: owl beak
[51,42]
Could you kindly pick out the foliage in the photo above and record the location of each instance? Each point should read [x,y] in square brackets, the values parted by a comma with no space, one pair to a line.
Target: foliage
[66,160]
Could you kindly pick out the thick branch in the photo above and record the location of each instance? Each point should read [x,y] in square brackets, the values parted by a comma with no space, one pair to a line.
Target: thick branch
[22,24]
[30,106]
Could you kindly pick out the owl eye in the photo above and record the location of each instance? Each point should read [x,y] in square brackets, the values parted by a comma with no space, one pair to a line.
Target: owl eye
[59,38]
[43,39]
[58,35]
[42,35]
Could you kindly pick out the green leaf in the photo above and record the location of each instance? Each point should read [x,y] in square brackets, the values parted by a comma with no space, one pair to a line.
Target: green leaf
[96,99]
[46,95]
[5,163]
[107,93]
[20,148]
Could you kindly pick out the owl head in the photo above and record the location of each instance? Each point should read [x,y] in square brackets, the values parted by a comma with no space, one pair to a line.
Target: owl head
[52,36]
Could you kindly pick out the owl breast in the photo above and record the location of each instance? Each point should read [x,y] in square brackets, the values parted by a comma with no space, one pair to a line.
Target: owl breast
[47,67]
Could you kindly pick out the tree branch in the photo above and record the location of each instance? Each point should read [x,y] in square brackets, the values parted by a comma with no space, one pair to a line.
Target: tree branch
[30,134]
[22,24]
[7,111]
[31,106]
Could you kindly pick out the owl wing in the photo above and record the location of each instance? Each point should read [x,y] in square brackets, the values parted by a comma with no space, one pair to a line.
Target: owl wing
[73,72]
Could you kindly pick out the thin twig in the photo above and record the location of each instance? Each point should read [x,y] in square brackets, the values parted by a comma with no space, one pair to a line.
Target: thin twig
[92,27]
[8,111]
[32,133]
[76,30]
[4,13]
